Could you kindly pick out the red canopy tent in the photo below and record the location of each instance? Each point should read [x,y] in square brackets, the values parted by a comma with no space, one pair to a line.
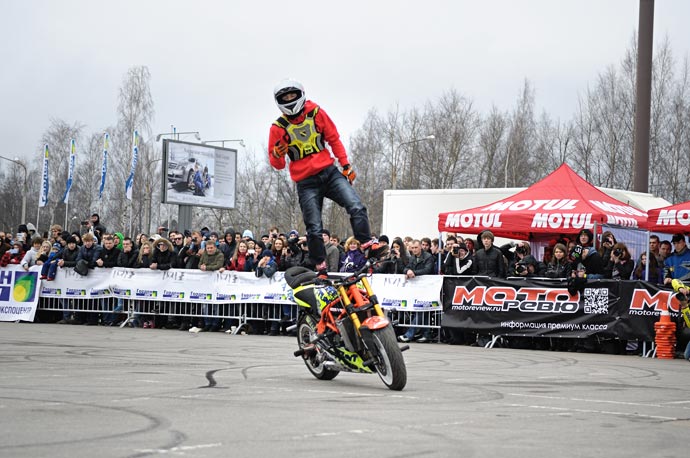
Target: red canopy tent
[561,203]
[672,219]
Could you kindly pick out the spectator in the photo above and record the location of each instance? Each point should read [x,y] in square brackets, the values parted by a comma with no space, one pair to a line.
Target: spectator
[514,258]
[128,256]
[141,240]
[676,265]
[109,254]
[55,231]
[559,266]
[241,261]
[488,260]
[211,260]
[191,252]
[177,240]
[397,259]
[654,248]
[44,252]
[425,243]
[14,255]
[332,252]
[655,274]
[421,263]
[608,240]
[32,255]
[163,255]
[585,254]
[89,251]
[529,266]
[97,227]
[118,237]
[280,254]
[459,262]
[665,250]
[68,259]
[228,245]
[144,257]
[4,244]
[354,257]
[49,268]
[620,264]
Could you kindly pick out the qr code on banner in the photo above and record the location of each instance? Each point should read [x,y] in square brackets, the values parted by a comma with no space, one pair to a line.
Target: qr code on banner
[596,300]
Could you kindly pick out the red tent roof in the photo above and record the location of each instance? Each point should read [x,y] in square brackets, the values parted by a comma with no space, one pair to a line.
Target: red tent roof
[562,202]
[671,219]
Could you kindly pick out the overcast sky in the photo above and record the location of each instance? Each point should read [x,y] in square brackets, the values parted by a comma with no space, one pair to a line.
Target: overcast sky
[214,64]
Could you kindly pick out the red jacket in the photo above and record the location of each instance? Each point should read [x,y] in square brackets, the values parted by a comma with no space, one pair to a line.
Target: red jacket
[9,258]
[313,163]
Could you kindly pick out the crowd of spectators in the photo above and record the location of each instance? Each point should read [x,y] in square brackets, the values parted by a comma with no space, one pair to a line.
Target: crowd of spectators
[567,257]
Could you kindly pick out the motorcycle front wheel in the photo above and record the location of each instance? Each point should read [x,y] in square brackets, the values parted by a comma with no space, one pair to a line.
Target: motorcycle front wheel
[306,327]
[390,364]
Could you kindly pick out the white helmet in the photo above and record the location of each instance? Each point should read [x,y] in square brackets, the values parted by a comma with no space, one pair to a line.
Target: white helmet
[295,105]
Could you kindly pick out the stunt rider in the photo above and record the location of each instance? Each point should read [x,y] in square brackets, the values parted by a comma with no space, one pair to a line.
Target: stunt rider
[301,134]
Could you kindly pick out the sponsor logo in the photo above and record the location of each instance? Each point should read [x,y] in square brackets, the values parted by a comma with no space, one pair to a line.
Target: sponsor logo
[146,293]
[75,292]
[202,296]
[274,296]
[673,217]
[24,286]
[503,299]
[51,291]
[99,292]
[122,292]
[173,294]
[250,296]
[225,297]
[425,304]
[397,303]
[658,302]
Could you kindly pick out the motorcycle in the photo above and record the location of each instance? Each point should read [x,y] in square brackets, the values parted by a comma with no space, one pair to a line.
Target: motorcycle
[342,327]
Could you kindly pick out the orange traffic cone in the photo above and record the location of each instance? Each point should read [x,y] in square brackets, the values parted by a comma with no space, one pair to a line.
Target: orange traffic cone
[665,338]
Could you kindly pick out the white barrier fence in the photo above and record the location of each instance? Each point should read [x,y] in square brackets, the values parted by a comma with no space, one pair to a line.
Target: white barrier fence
[193,293]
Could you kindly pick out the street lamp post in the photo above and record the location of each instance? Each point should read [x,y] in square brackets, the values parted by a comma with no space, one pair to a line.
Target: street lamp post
[26,187]
[397,151]
[177,134]
[149,193]
[222,142]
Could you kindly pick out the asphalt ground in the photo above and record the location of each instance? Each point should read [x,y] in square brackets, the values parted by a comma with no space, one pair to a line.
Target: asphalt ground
[78,391]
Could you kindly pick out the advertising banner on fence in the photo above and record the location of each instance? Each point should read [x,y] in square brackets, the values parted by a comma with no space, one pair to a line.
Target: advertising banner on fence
[400,293]
[230,287]
[18,294]
[627,310]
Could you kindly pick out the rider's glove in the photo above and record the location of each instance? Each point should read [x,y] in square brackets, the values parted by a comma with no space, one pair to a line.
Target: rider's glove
[349,173]
[280,149]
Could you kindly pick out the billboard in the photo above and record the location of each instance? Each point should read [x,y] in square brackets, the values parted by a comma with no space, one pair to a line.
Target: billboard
[199,175]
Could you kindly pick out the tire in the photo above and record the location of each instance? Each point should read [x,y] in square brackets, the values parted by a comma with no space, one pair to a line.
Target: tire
[305,328]
[190,179]
[390,364]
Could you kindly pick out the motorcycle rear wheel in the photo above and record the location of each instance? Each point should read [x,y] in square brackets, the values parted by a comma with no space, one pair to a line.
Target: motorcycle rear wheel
[305,328]
[390,364]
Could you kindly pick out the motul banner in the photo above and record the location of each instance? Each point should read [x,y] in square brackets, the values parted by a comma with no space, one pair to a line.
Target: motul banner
[608,308]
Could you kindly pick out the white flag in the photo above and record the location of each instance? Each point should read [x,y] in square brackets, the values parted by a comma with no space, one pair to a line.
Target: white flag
[43,198]
[135,157]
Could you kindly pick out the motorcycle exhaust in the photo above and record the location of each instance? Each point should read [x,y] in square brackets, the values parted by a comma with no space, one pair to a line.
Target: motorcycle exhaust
[291,328]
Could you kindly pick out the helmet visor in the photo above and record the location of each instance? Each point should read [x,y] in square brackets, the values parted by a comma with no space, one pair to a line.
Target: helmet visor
[289,96]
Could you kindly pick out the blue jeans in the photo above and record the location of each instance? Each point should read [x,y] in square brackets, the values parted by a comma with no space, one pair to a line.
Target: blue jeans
[332,184]
[49,269]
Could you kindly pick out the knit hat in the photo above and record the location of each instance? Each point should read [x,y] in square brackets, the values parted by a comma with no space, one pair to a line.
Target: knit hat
[384,238]
[247,233]
[293,232]
[71,239]
[461,246]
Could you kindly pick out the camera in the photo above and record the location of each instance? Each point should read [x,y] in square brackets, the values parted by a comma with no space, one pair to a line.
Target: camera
[455,250]
[617,252]
[520,268]
[521,250]
[576,252]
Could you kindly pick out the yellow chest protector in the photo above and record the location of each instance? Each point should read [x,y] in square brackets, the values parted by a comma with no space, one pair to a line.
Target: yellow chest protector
[305,139]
